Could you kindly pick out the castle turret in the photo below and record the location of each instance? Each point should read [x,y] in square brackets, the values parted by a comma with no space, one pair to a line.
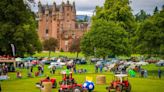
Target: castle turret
[73,7]
[46,10]
[54,9]
[40,11]
[61,7]
[61,10]
[68,2]
[74,12]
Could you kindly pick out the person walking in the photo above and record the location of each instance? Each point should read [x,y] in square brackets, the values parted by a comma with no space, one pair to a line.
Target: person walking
[74,68]
[53,69]
[145,74]
[101,68]
[96,68]
[159,73]
[142,73]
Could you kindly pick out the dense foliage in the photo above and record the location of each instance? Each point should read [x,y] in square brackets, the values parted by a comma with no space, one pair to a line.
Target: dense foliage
[105,38]
[111,31]
[75,46]
[151,34]
[18,27]
[50,45]
[116,31]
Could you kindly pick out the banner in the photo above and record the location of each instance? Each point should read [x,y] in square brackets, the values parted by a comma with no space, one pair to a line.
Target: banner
[13,49]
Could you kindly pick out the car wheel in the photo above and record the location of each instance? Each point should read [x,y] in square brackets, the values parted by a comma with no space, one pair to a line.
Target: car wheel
[54,85]
[129,88]
[119,88]
[77,89]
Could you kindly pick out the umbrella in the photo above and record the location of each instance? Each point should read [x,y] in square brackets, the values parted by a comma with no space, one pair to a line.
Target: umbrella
[18,59]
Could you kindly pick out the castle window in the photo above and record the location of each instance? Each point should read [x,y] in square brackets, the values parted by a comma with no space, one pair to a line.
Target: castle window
[46,31]
[67,20]
[67,14]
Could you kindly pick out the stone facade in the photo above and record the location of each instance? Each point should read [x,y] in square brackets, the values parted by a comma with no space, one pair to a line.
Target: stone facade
[59,21]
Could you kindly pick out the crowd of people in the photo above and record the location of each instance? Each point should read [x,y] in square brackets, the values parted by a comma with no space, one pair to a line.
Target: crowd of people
[4,69]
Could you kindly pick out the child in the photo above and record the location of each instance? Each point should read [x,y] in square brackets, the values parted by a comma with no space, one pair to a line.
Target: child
[19,75]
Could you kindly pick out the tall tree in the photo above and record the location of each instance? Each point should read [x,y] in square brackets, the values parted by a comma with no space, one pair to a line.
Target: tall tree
[75,46]
[112,29]
[50,45]
[151,35]
[141,16]
[18,27]
[156,10]
[105,38]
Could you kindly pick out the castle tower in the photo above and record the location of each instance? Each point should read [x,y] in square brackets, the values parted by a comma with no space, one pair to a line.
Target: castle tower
[58,21]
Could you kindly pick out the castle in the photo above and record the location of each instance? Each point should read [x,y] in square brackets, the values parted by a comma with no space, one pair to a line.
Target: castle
[59,21]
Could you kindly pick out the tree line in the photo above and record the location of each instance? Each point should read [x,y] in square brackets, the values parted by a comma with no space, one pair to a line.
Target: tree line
[116,31]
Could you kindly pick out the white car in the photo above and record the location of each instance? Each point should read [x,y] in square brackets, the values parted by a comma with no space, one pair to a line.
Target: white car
[142,63]
[57,64]
[160,63]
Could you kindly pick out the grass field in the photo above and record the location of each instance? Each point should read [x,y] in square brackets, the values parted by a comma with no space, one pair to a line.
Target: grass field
[150,84]
[57,54]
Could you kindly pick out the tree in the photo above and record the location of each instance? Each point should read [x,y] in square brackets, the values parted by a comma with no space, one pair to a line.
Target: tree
[50,45]
[111,31]
[118,11]
[75,46]
[105,38]
[151,35]
[18,27]
[156,10]
[141,16]
[85,18]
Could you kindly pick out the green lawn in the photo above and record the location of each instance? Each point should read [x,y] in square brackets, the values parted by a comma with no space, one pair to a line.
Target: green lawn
[57,54]
[150,84]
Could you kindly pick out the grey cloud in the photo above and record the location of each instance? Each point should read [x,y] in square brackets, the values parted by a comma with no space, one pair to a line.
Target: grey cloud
[89,5]
[147,5]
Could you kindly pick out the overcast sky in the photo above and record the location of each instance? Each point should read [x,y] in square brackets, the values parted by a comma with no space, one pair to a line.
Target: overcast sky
[84,7]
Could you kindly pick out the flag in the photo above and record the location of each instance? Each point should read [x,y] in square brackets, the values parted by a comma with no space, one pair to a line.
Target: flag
[13,49]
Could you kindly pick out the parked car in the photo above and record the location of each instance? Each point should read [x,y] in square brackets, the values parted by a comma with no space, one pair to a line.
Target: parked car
[81,61]
[57,65]
[94,60]
[142,63]
[160,63]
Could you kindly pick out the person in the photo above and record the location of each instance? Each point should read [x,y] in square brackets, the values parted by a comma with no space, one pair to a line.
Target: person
[53,70]
[74,68]
[19,75]
[48,78]
[101,67]
[145,73]
[31,68]
[159,73]
[42,69]
[142,73]
[96,68]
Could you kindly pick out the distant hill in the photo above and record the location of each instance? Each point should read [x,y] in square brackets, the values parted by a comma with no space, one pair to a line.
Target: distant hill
[82,17]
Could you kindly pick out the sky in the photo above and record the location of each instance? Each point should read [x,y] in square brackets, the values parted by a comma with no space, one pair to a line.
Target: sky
[86,7]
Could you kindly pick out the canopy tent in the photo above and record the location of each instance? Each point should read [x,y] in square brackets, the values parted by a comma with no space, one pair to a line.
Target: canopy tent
[19,59]
[29,59]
